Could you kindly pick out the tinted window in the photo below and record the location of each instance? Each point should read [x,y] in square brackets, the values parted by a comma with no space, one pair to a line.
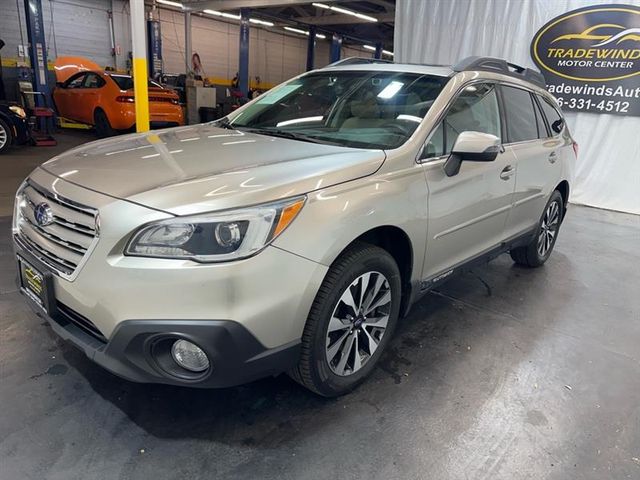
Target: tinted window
[475,109]
[542,129]
[76,81]
[125,82]
[554,119]
[92,80]
[519,113]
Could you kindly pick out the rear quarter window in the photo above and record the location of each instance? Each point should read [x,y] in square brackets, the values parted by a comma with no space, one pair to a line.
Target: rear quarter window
[554,119]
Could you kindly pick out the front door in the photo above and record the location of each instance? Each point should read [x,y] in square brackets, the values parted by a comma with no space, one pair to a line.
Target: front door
[468,211]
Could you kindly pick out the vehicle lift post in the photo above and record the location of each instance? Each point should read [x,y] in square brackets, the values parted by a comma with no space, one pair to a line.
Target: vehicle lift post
[38,56]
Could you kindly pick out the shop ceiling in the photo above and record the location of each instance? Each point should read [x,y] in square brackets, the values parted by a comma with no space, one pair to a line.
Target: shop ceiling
[373,24]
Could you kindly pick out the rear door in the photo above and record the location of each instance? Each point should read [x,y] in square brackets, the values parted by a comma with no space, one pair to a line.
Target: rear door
[536,158]
[467,212]
[90,91]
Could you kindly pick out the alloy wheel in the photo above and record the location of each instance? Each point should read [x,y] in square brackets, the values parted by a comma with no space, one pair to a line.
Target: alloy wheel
[548,228]
[3,137]
[358,323]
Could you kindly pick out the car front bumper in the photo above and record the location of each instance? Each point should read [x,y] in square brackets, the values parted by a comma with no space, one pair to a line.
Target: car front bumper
[247,315]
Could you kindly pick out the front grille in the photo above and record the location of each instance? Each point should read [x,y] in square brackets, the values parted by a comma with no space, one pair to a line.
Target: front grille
[63,243]
[66,314]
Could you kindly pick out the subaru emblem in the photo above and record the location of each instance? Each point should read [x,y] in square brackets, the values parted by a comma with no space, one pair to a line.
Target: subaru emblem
[43,214]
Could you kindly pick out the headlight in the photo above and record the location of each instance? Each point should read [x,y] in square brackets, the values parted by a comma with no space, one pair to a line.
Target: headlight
[18,111]
[215,237]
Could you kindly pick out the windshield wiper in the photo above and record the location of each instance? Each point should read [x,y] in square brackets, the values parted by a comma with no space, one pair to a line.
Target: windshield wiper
[224,123]
[287,134]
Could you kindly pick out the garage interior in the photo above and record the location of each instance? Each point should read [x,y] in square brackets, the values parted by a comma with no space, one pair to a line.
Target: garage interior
[502,372]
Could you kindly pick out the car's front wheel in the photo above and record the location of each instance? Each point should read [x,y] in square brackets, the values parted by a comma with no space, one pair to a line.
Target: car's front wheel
[5,137]
[351,321]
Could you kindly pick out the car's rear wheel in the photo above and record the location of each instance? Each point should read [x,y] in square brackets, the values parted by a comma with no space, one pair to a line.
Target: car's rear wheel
[102,125]
[351,321]
[539,249]
[5,137]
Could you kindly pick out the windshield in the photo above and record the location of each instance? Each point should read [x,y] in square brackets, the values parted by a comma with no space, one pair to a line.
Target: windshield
[355,109]
[125,82]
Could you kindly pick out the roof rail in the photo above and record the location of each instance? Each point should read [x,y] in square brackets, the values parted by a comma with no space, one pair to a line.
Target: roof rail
[498,65]
[358,61]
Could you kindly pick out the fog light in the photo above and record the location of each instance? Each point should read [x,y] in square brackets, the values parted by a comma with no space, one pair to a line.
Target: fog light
[189,356]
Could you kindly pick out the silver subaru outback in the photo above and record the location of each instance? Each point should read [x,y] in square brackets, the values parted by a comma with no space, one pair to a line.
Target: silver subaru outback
[292,234]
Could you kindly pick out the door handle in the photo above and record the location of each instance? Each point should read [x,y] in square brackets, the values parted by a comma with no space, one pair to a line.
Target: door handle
[553,157]
[506,172]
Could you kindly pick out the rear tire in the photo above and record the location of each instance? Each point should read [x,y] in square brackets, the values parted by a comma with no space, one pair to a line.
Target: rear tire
[102,125]
[6,138]
[537,252]
[348,328]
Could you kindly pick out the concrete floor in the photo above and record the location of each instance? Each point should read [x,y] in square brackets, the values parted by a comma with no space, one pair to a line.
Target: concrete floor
[504,373]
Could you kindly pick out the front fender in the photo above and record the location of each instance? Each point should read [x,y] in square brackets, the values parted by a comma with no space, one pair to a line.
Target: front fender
[334,217]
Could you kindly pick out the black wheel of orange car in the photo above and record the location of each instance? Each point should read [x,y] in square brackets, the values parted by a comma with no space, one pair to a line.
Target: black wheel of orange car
[6,137]
[351,321]
[539,249]
[102,125]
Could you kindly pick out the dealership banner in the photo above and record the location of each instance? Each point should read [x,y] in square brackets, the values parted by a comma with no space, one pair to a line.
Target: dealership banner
[590,59]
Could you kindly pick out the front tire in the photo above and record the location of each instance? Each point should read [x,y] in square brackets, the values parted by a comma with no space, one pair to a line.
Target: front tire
[351,321]
[5,137]
[537,252]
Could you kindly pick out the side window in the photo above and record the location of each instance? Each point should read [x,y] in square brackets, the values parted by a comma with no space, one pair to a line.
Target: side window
[542,128]
[519,113]
[475,109]
[554,119]
[92,81]
[76,82]
[435,146]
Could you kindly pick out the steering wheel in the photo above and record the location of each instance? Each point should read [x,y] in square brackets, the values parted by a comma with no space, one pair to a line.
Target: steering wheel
[396,128]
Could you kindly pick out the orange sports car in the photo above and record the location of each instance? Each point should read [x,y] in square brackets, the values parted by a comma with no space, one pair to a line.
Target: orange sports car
[87,94]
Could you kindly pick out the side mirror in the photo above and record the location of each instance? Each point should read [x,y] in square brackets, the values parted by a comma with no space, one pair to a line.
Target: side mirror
[472,147]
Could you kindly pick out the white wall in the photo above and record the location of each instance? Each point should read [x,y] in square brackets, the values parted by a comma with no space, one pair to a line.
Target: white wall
[607,173]
[80,27]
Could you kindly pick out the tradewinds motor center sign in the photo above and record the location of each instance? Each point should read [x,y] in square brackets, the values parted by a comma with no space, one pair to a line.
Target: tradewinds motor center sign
[590,59]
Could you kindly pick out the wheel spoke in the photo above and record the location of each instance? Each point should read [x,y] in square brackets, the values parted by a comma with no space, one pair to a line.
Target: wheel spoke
[357,361]
[373,292]
[378,322]
[335,348]
[364,283]
[336,324]
[372,342]
[383,300]
[347,299]
[344,354]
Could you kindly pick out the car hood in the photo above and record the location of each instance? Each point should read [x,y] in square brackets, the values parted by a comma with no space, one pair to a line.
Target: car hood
[201,168]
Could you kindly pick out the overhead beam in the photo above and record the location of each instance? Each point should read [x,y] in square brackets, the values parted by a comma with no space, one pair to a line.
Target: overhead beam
[341,19]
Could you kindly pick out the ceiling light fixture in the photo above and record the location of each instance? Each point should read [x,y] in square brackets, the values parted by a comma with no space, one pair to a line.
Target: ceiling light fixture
[345,11]
[261,22]
[373,49]
[170,3]
[304,32]
[237,17]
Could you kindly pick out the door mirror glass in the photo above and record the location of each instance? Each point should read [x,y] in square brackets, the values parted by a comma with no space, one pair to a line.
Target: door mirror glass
[472,147]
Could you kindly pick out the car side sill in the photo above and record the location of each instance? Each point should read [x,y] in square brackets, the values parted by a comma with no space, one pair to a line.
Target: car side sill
[484,257]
